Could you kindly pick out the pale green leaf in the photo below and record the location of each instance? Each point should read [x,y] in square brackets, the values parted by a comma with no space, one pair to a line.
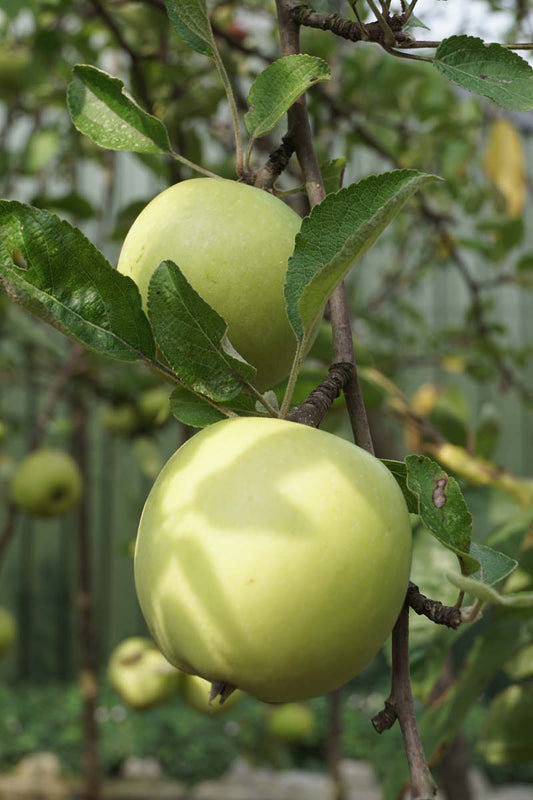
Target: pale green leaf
[490,70]
[487,594]
[276,88]
[494,566]
[101,109]
[338,232]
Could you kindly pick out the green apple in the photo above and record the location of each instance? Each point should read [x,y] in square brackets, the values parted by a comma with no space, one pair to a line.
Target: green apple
[8,630]
[232,242]
[272,557]
[141,674]
[121,419]
[506,735]
[154,406]
[291,722]
[46,483]
[195,691]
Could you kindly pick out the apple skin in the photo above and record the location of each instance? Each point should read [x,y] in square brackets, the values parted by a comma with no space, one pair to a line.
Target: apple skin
[232,242]
[141,674]
[46,483]
[273,557]
[291,722]
[8,630]
[195,691]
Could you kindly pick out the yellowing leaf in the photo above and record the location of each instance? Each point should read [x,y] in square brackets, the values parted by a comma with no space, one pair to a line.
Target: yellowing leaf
[504,163]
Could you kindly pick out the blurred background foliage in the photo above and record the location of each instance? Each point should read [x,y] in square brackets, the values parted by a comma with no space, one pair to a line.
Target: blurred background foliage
[443,328]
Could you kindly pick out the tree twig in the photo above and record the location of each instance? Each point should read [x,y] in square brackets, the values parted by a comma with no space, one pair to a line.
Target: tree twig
[399,706]
[300,132]
[315,407]
[432,609]
[87,643]
[266,176]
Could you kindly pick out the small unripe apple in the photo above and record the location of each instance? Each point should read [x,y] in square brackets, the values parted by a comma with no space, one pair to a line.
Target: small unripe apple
[291,722]
[154,406]
[232,242]
[121,419]
[46,483]
[141,674]
[195,691]
[272,557]
[8,630]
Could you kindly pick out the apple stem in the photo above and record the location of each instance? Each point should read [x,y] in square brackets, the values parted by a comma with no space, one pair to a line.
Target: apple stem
[221,689]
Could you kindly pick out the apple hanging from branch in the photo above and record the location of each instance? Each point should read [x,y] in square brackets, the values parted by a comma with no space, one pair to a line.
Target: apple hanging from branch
[272,557]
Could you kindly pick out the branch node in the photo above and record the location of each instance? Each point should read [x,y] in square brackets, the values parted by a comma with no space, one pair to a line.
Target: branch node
[266,177]
[315,407]
[433,609]
[385,719]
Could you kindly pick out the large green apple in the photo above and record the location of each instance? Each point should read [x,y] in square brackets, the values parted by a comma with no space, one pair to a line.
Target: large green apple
[291,722]
[141,674]
[273,557]
[8,630]
[195,691]
[232,242]
[47,483]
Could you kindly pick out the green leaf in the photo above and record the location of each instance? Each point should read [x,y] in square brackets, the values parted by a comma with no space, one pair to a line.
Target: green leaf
[190,21]
[193,337]
[494,566]
[198,412]
[51,269]
[442,508]
[488,595]
[338,232]
[276,88]
[490,70]
[332,174]
[101,109]
[399,470]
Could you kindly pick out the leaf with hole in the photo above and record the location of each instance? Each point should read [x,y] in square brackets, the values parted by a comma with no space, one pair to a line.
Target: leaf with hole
[442,508]
[51,269]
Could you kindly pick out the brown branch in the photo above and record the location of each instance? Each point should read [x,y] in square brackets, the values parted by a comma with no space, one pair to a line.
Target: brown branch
[300,132]
[347,28]
[8,531]
[87,643]
[399,706]
[266,176]
[136,68]
[315,407]
[432,609]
